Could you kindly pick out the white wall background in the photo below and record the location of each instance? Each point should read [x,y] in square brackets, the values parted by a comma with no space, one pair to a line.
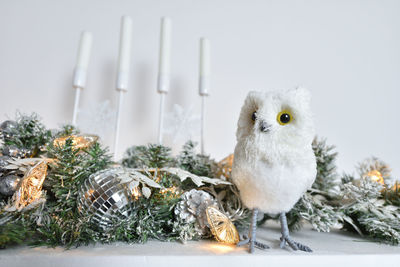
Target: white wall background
[346,52]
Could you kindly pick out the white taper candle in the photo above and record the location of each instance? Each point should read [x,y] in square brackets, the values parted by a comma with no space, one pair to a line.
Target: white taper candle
[164,56]
[164,63]
[82,60]
[204,66]
[124,56]
[80,71]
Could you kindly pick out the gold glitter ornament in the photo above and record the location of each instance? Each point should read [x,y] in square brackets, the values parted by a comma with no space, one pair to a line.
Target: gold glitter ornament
[225,167]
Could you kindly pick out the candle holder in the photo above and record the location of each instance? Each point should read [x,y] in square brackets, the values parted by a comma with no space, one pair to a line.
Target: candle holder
[162,89]
[79,82]
[204,84]
[124,58]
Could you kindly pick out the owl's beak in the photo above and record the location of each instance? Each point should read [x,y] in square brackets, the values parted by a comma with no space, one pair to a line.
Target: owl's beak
[264,127]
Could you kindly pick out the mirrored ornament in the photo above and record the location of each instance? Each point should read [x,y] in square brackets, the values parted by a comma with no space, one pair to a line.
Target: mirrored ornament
[3,162]
[9,184]
[7,128]
[106,197]
[15,152]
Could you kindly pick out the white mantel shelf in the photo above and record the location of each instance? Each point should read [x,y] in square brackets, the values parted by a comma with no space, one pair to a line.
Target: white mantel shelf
[330,249]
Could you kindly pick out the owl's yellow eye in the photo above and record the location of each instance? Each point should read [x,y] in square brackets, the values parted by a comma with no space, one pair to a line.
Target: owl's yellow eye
[284,117]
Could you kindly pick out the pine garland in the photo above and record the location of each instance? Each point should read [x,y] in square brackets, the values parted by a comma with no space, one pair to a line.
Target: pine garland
[195,163]
[315,206]
[327,177]
[29,134]
[67,173]
[152,155]
[366,212]
[354,203]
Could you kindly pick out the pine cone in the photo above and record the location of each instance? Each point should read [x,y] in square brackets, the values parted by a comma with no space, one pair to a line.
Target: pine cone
[192,209]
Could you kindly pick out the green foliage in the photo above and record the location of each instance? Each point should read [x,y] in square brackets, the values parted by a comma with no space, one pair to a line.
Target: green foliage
[367,213]
[67,226]
[327,178]
[315,209]
[30,133]
[14,233]
[71,168]
[315,206]
[149,219]
[67,130]
[392,195]
[152,155]
[358,204]
[195,163]
[19,227]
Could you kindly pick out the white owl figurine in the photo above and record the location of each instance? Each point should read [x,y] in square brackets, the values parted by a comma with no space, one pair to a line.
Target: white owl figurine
[274,163]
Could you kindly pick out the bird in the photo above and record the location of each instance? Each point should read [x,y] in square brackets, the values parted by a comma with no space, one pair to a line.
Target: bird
[274,163]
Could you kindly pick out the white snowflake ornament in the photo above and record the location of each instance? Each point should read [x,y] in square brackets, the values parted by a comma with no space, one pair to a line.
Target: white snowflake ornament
[181,124]
[97,119]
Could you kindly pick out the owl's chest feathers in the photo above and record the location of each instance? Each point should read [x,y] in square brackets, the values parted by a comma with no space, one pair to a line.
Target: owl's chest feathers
[270,180]
[276,155]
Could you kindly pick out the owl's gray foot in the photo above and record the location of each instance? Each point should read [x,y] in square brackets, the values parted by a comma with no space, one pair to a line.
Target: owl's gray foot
[293,244]
[257,244]
[286,239]
[252,232]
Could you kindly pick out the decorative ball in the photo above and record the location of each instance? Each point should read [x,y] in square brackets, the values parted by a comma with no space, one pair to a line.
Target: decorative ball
[9,184]
[15,152]
[106,197]
[4,161]
[7,127]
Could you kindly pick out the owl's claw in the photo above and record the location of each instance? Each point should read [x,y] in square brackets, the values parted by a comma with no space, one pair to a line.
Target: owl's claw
[252,233]
[293,244]
[257,244]
[287,239]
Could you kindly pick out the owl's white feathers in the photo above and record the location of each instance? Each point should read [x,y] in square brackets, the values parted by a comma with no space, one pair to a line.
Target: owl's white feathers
[273,169]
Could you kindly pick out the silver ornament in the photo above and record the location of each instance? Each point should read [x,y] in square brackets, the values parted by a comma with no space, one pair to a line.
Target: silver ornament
[192,208]
[15,152]
[4,161]
[106,197]
[7,128]
[9,184]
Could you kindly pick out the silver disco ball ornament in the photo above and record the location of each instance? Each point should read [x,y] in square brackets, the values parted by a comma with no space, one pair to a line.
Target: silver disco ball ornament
[15,152]
[9,184]
[7,128]
[4,162]
[106,197]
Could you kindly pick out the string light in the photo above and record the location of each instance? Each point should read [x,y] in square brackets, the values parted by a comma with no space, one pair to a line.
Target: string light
[78,141]
[375,176]
[31,186]
[136,193]
[221,227]
[171,191]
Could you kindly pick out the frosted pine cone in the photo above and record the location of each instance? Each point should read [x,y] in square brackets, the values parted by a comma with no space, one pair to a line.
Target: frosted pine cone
[192,209]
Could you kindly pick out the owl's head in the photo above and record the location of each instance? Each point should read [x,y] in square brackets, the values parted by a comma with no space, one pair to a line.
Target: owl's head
[277,118]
